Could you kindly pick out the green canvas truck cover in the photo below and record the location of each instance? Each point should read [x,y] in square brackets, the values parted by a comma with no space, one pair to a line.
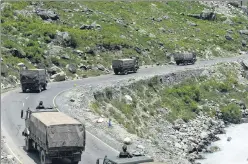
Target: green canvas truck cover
[57,129]
[31,74]
[183,56]
[120,62]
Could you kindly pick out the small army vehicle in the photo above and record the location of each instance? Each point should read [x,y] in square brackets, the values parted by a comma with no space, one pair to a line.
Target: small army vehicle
[33,79]
[123,66]
[54,135]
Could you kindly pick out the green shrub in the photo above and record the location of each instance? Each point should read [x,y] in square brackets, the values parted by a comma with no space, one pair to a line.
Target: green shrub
[231,113]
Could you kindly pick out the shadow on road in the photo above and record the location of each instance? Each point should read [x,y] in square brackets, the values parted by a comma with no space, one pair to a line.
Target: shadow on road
[34,155]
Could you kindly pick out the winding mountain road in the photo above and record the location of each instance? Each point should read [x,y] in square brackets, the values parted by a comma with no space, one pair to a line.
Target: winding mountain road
[14,101]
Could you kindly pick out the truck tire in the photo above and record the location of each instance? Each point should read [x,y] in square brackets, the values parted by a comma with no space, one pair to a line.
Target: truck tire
[177,62]
[135,70]
[116,72]
[45,87]
[125,72]
[43,158]
[75,162]
[24,90]
[28,144]
[39,89]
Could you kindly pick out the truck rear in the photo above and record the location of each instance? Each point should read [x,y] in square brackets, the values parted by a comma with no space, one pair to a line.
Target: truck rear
[185,58]
[124,66]
[55,135]
[33,79]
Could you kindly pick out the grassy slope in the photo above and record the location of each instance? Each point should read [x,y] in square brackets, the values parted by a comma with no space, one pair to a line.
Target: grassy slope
[184,100]
[31,35]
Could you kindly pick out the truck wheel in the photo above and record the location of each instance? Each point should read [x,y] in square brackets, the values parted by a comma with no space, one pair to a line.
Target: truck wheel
[43,158]
[39,89]
[116,72]
[177,62]
[28,144]
[125,72]
[135,70]
[45,87]
[75,162]
[23,90]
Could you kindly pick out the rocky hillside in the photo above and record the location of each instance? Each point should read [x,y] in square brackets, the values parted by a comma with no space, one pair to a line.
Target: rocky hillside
[79,39]
[175,117]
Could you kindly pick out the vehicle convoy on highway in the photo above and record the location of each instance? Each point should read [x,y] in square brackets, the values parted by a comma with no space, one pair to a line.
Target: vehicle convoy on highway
[33,79]
[184,58]
[54,135]
[126,65]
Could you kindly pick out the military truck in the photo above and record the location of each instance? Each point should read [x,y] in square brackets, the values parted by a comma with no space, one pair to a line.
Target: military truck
[184,58]
[54,135]
[33,79]
[117,160]
[123,66]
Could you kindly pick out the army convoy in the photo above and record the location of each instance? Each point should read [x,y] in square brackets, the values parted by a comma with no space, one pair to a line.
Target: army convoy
[54,135]
[123,66]
[33,79]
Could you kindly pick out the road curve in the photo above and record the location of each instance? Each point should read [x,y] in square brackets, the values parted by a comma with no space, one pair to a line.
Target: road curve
[14,101]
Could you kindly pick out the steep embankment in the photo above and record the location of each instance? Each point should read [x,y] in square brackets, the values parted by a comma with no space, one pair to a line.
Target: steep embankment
[171,117]
[79,39]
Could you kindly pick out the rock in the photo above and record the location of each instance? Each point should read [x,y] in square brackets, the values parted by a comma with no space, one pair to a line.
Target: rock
[245,63]
[59,76]
[54,50]
[83,67]
[4,69]
[18,52]
[64,39]
[244,43]
[65,56]
[128,99]
[229,138]
[127,141]
[72,68]
[204,135]
[214,149]
[53,70]
[47,14]
[100,67]
[205,15]
[72,100]
[90,27]
[191,23]
[100,120]
[78,52]
[228,37]
[245,32]
[141,147]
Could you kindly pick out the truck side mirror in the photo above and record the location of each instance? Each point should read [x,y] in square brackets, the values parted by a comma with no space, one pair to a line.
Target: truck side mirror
[21,113]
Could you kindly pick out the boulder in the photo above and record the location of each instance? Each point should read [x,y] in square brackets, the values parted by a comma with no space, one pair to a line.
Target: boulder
[59,76]
[128,99]
[53,70]
[64,39]
[18,52]
[72,68]
[47,14]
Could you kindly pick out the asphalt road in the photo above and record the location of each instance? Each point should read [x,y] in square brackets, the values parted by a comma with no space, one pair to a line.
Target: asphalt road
[14,101]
